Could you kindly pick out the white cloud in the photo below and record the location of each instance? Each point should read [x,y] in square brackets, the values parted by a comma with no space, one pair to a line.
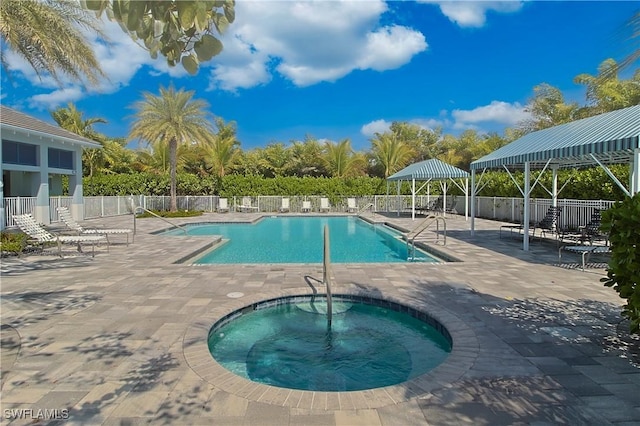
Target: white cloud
[377,126]
[310,41]
[56,98]
[496,112]
[473,13]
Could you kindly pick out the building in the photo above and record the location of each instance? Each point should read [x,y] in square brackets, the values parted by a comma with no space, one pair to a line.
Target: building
[35,155]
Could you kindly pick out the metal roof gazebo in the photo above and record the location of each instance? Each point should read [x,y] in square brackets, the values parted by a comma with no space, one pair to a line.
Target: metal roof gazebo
[601,140]
[427,171]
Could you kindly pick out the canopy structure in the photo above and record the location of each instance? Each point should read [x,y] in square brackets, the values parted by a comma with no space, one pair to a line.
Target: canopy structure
[601,140]
[427,171]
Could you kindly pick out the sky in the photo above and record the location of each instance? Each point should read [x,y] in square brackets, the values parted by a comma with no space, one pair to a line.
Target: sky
[333,70]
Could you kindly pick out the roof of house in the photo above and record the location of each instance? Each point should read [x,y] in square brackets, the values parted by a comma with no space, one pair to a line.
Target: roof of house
[427,170]
[11,119]
[607,138]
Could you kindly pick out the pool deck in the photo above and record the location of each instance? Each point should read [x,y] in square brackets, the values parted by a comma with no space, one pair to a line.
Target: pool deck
[120,339]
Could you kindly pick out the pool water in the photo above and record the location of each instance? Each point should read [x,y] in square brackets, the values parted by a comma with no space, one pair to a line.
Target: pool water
[300,240]
[290,346]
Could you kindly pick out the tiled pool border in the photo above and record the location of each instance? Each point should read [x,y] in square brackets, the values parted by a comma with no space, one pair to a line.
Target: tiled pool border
[464,351]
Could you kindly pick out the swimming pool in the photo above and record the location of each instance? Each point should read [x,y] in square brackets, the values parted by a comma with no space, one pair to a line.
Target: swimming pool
[285,239]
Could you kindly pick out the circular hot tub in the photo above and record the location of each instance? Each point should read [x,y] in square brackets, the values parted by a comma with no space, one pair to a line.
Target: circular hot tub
[288,342]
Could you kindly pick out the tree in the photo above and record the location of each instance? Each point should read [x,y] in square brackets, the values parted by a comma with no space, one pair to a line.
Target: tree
[47,34]
[423,142]
[390,153]
[221,150]
[548,109]
[342,160]
[174,118]
[181,31]
[306,158]
[606,92]
[69,118]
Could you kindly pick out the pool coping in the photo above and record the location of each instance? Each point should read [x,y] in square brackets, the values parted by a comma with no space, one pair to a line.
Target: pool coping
[465,350]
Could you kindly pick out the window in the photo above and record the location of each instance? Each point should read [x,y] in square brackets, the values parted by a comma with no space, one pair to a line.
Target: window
[60,158]
[19,153]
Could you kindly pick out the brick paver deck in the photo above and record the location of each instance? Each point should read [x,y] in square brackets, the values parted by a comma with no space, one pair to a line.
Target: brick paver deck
[121,338]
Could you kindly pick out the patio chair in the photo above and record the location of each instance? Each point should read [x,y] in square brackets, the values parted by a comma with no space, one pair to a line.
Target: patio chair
[589,233]
[65,216]
[223,205]
[549,222]
[352,207]
[246,205]
[284,207]
[306,207]
[38,234]
[324,205]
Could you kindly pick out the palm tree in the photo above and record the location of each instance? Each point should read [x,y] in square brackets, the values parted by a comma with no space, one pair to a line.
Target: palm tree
[390,152]
[47,33]
[175,118]
[221,150]
[341,159]
[71,119]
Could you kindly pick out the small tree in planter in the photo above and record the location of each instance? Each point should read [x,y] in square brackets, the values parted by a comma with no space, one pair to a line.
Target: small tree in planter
[622,223]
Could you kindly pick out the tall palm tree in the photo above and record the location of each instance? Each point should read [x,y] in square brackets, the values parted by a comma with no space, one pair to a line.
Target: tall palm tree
[71,119]
[172,117]
[390,152]
[47,33]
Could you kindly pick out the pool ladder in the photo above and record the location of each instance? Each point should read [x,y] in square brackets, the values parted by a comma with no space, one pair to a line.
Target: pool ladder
[369,206]
[326,275]
[411,236]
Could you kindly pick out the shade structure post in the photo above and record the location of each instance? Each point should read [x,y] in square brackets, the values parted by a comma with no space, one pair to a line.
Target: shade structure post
[472,207]
[527,184]
[398,196]
[634,176]
[413,199]
[466,199]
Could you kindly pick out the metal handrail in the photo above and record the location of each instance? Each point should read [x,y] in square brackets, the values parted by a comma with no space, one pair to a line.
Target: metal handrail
[159,217]
[411,236]
[326,276]
[368,206]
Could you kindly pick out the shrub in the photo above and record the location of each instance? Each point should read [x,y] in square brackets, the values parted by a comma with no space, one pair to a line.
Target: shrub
[12,242]
[623,274]
[164,213]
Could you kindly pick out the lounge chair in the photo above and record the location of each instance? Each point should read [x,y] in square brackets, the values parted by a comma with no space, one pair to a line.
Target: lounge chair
[246,205]
[223,205]
[589,233]
[584,251]
[38,234]
[285,205]
[68,220]
[549,223]
[306,207]
[352,207]
[324,205]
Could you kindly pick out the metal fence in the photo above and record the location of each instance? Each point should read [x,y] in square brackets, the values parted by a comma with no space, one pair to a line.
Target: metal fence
[574,213]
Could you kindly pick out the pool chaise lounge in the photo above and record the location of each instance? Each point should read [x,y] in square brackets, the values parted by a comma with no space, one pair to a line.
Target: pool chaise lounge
[65,216]
[584,252]
[38,234]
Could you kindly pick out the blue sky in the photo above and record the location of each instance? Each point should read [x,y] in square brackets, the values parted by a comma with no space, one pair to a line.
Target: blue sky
[336,70]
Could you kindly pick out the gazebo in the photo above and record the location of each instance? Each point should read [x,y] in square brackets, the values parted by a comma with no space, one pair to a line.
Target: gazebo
[432,170]
[601,140]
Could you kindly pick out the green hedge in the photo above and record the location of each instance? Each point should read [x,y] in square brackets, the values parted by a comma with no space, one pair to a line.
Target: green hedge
[589,184]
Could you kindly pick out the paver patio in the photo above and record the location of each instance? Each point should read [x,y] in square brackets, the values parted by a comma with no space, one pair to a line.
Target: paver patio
[121,338]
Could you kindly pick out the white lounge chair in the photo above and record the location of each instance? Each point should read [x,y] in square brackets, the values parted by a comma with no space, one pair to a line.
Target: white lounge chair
[285,205]
[37,233]
[223,205]
[246,205]
[65,216]
[306,207]
[324,205]
[351,205]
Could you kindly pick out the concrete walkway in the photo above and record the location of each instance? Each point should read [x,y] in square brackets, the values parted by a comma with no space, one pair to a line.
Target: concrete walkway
[120,339]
